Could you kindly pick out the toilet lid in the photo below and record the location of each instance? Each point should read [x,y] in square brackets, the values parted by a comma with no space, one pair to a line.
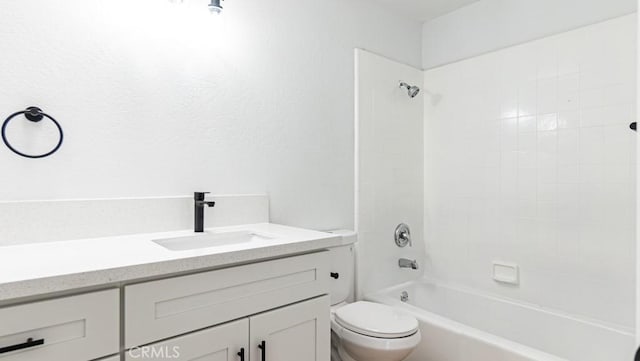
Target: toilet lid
[376,320]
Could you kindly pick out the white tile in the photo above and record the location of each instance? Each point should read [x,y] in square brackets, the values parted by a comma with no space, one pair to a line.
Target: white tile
[509,184]
[509,134]
[547,98]
[527,232]
[568,82]
[527,141]
[526,209]
[568,93]
[527,155]
[509,102]
[621,114]
[527,183]
[592,145]
[619,173]
[548,191]
[592,97]
[592,173]
[548,175]
[620,93]
[568,147]
[547,122]
[592,117]
[617,145]
[595,77]
[527,99]
[566,173]
[568,119]
[548,141]
[547,59]
[569,52]
[527,124]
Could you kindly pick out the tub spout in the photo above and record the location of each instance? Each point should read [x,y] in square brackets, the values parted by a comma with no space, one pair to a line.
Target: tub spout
[407,263]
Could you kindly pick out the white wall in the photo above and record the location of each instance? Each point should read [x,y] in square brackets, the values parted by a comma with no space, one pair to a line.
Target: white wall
[490,25]
[389,183]
[161,99]
[25,222]
[530,160]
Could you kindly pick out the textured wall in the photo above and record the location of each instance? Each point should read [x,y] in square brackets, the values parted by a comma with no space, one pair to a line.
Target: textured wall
[530,160]
[490,25]
[162,99]
[26,222]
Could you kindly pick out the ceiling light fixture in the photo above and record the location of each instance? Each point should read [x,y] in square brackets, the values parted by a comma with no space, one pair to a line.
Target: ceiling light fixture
[215,6]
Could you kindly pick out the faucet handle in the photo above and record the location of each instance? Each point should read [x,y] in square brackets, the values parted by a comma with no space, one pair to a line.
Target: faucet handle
[403,236]
[199,196]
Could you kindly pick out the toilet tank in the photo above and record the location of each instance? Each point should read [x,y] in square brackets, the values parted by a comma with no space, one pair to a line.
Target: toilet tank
[342,269]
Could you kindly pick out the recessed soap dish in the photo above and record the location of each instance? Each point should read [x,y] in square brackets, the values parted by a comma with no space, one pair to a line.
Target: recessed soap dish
[508,273]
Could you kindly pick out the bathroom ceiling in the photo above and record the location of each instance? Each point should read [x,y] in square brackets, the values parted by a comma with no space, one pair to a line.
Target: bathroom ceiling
[424,10]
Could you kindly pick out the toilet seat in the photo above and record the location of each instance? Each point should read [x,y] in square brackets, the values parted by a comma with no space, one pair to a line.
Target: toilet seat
[376,320]
[376,343]
[355,346]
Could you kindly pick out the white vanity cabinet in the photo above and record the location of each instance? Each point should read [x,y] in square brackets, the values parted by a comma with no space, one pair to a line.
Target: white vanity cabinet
[162,309]
[76,328]
[274,310]
[292,333]
[278,309]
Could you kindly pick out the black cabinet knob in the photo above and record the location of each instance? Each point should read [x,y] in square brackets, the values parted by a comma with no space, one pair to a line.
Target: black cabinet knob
[335,275]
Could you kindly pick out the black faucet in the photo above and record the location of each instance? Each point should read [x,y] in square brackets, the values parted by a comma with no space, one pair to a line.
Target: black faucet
[199,204]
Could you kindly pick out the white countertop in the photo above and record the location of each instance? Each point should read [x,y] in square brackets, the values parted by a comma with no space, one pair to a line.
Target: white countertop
[44,268]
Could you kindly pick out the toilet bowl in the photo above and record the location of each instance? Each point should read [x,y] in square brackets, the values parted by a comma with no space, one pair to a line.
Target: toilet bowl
[365,331]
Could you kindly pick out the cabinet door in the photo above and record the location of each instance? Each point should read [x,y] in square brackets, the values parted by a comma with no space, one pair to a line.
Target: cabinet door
[293,333]
[222,343]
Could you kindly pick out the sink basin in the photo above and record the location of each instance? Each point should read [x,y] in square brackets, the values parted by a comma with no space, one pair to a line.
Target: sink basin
[210,239]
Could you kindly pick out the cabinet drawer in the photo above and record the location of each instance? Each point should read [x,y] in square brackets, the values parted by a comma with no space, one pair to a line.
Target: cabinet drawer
[161,309]
[77,328]
[221,343]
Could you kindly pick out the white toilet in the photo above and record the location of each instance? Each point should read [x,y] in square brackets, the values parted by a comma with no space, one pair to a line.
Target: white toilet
[365,331]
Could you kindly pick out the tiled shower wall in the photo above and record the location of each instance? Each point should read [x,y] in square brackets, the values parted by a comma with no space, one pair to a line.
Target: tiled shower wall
[389,183]
[530,160]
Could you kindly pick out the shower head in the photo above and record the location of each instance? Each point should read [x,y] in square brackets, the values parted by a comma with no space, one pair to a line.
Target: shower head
[413,91]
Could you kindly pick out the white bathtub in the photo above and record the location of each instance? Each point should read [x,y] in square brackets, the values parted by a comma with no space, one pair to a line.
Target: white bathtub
[460,325]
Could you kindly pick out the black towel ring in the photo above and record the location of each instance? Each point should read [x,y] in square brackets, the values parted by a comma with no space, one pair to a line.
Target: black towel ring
[33,114]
